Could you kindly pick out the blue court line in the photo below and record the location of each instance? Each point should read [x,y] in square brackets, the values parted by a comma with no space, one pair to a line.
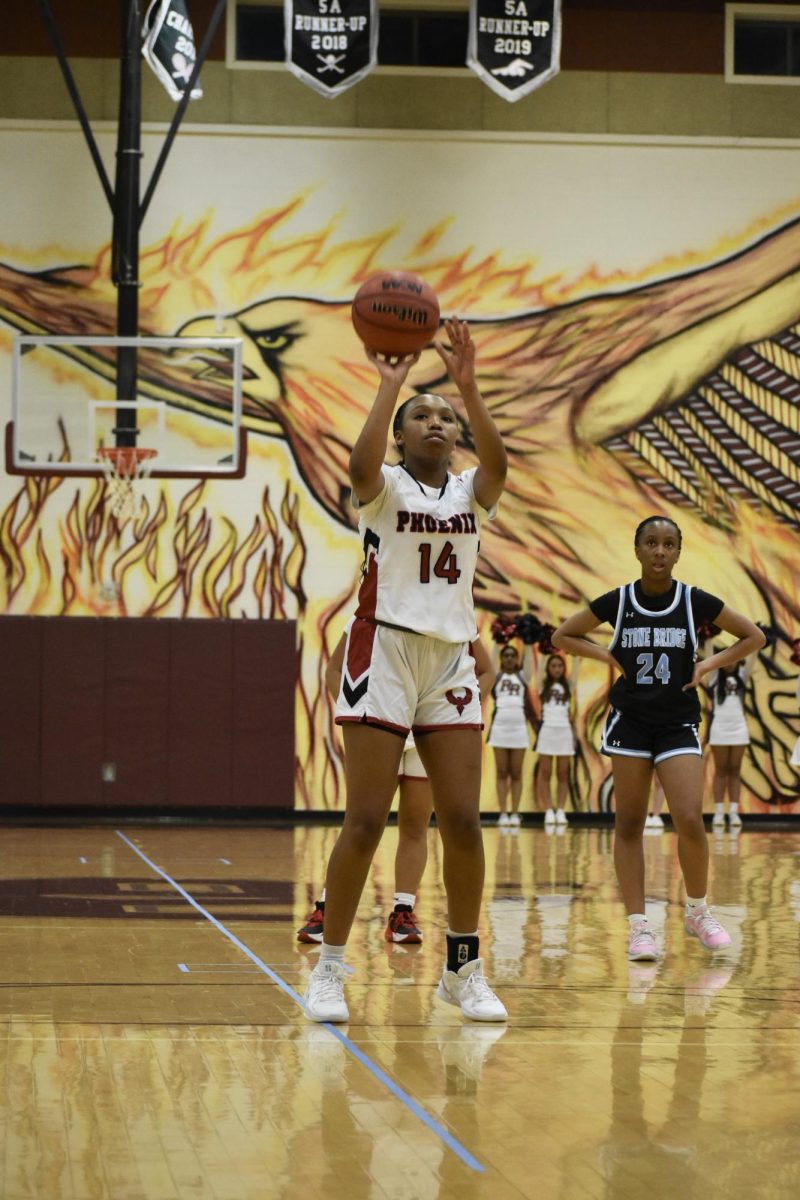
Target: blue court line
[432,1124]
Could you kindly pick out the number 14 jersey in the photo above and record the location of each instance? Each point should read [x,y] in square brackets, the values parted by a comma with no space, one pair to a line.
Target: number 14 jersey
[420,553]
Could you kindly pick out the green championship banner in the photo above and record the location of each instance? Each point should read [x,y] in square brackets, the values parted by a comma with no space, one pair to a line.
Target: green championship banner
[168,46]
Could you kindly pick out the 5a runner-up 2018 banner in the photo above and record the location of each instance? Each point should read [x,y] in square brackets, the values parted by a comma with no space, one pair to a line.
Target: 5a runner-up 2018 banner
[331,44]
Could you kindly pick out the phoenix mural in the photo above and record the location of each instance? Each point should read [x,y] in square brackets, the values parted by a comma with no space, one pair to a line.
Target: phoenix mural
[616,397]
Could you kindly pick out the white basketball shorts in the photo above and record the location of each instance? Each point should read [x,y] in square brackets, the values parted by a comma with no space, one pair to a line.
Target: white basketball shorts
[403,681]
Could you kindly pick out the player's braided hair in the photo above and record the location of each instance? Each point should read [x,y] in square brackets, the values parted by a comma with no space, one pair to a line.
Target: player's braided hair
[649,520]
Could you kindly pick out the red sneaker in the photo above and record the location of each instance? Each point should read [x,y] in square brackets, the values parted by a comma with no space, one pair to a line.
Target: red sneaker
[402,927]
[314,927]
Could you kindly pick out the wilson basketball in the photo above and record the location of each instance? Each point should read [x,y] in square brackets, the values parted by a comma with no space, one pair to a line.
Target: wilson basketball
[395,312]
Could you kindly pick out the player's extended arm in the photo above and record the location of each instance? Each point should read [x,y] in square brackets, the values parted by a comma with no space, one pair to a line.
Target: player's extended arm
[483,668]
[750,640]
[570,637]
[459,359]
[366,458]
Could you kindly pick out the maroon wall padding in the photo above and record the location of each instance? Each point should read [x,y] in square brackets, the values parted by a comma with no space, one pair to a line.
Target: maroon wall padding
[201,712]
[20,721]
[190,714]
[263,722]
[73,686]
[137,665]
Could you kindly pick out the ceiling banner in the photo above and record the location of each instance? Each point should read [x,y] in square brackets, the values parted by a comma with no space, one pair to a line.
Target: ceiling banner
[168,46]
[514,45]
[331,44]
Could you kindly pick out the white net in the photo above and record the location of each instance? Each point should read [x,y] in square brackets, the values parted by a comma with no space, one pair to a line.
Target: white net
[124,467]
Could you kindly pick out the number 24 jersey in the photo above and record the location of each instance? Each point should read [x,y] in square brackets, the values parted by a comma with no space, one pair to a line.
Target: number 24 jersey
[654,641]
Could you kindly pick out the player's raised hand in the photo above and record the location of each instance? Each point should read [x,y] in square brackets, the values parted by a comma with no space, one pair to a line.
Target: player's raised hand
[459,356]
[393,368]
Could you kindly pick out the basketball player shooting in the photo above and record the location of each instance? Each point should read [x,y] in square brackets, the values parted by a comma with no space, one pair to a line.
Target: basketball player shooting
[408,664]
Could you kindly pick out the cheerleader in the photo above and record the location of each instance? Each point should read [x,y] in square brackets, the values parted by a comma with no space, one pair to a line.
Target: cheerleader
[556,740]
[508,733]
[728,737]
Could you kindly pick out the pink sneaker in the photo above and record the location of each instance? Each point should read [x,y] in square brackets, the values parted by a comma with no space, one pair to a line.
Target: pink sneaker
[703,925]
[642,944]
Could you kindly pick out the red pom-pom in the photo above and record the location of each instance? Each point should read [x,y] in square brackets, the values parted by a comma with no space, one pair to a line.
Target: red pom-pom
[503,628]
[545,644]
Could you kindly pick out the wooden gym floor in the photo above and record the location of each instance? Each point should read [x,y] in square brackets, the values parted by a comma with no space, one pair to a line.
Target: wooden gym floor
[154,1047]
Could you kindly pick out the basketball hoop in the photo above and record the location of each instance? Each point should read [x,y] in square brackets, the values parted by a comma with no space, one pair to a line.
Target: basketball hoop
[123,466]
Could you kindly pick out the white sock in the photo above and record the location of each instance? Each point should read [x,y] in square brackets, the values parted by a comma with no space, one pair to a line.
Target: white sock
[405,898]
[733,808]
[719,808]
[635,917]
[331,953]
[692,903]
[322,897]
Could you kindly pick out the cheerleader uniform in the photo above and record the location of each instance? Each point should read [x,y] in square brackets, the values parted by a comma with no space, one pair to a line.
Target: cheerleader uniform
[509,725]
[555,735]
[728,722]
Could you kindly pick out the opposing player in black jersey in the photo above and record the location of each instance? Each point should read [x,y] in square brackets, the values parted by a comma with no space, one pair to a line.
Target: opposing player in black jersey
[654,717]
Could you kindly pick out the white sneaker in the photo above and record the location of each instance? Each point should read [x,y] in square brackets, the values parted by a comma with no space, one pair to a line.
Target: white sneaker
[503,819]
[324,996]
[550,817]
[515,819]
[734,820]
[654,821]
[468,990]
[561,817]
[718,818]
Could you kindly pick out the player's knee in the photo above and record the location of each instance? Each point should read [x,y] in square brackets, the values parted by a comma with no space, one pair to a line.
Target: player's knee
[628,826]
[689,825]
[364,832]
[461,828]
[413,831]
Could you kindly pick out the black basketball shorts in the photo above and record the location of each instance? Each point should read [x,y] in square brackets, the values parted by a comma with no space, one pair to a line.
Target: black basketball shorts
[632,739]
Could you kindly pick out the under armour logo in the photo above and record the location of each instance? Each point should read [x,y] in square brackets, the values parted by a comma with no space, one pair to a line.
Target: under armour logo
[460,702]
[616,743]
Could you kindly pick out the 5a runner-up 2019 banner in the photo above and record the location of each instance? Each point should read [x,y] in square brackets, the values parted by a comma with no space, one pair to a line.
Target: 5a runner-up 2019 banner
[514,45]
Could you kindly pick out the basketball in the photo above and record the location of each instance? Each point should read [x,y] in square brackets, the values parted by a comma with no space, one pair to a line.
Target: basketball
[395,313]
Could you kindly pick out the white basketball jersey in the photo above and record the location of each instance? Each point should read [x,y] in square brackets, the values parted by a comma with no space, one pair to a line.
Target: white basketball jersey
[420,553]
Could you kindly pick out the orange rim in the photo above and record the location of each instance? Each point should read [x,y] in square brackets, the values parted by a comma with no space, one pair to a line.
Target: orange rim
[125,460]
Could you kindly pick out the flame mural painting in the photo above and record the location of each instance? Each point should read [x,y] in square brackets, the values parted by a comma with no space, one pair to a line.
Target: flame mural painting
[669,382]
